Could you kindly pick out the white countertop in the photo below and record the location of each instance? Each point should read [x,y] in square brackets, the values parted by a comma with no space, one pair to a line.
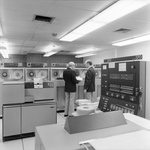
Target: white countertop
[55,137]
[145,123]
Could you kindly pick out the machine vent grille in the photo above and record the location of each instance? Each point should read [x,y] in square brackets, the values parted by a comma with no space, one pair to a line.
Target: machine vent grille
[43,18]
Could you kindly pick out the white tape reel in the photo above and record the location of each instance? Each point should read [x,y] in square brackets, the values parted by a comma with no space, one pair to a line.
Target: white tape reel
[17,74]
[43,74]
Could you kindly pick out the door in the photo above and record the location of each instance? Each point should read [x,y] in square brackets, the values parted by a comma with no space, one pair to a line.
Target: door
[37,115]
[11,120]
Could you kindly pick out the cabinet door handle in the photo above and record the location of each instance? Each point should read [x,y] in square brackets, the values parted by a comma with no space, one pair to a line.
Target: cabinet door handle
[52,107]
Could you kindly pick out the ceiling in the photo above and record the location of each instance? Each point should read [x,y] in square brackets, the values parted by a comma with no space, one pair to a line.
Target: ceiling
[26,35]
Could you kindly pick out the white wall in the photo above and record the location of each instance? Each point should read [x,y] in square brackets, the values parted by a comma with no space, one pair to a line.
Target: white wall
[135,49]
[99,58]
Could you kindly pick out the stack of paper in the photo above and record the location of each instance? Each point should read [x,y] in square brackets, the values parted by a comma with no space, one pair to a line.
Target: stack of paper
[79,78]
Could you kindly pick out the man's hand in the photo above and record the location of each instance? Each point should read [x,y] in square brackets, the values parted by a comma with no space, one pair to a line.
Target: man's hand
[85,90]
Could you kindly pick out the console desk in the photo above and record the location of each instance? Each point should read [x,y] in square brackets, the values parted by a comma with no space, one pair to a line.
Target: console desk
[55,137]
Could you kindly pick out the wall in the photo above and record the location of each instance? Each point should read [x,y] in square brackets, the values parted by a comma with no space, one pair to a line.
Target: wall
[40,58]
[13,59]
[135,49]
[99,58]
[53,59]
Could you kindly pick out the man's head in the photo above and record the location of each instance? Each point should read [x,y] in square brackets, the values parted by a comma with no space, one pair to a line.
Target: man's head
[71,65]
[88,63]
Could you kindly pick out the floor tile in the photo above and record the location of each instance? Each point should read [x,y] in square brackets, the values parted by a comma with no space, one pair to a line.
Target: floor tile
[26,143]
[60,119]
[29,143]
[62,115]
[12,145]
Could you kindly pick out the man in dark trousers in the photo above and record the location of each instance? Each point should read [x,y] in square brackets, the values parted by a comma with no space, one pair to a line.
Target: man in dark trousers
[69,76]
[89,83]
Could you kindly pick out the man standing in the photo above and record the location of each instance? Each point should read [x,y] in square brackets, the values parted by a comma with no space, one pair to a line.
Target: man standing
[69,77]
[89,83]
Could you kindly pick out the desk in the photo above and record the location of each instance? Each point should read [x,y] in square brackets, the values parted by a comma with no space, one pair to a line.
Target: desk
[55,137]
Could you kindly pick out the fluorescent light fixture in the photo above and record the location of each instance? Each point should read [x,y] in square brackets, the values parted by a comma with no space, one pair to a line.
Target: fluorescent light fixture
[85,55]
[3,43]
[4,52]
[4,48]
[133,40]
[71,37]
[120,9]
[85,51]
[115,11]
[88,27]
[49,54]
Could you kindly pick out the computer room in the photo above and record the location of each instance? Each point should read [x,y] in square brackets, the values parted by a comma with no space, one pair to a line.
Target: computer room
[74,74]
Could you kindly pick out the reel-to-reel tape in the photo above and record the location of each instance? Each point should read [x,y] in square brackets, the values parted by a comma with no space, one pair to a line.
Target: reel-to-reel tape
[37,73]
[17,74]
[11,74]
[57,74]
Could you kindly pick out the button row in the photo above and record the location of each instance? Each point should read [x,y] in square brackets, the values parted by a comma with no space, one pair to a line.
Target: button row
[124,110]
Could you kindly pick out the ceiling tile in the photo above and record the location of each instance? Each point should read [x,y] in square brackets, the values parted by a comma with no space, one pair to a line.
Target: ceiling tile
[37,7]
[28,36]
[13,50]
[93,5]
[18,30]
[15,41]
[21,24]
[30,43]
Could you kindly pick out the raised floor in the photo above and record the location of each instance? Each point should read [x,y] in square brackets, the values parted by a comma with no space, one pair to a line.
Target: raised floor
[25,143]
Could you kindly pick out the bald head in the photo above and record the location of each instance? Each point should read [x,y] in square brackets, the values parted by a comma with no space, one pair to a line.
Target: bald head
[71,65]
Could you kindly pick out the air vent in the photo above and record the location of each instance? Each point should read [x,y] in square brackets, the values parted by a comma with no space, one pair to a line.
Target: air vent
[63,51]
[123,30]
[43,18]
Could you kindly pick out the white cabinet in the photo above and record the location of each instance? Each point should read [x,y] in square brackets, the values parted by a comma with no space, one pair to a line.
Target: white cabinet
[13,92]
[11,120]
[37,115]
[20,120]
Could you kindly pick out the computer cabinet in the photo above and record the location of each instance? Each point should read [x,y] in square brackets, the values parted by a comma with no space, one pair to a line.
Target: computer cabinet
[37,115]
[20,120]
[11,120]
